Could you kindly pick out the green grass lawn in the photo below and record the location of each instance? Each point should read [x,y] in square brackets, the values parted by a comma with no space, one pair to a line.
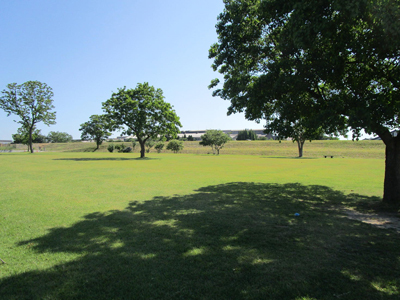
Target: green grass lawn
[314,149]
[183,226]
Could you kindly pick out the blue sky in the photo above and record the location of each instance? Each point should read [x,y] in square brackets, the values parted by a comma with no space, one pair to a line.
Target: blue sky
[85,50]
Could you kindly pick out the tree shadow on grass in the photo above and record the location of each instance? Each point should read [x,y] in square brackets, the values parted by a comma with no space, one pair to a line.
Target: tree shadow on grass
[107,158]
[289,157]
[230,241]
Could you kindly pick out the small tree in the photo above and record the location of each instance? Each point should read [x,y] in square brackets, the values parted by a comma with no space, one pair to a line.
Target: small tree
[32,102]
[97,128]
[175,146]
[216,139]
[159,146]
[144,112]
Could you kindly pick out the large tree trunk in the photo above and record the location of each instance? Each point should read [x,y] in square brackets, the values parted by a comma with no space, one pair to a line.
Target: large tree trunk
[142,148]
[391,188]
[98,143]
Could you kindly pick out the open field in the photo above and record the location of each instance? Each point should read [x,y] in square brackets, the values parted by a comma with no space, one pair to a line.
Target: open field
[346,149]
[183,226]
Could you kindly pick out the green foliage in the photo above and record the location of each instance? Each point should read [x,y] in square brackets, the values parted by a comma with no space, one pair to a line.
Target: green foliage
[328,64]
[144,112]
[246,135]
[22,136]
[216,139]
[190,138]
[175,146]
[97,128]
[110,148]
[159,146]
[59,137]
[120,147]
[32,102]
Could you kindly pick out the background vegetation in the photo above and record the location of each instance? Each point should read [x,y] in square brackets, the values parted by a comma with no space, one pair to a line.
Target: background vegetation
[315,149]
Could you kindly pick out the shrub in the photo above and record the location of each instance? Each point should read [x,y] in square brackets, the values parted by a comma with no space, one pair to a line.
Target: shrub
[127,150]
[120,148]
[110,148]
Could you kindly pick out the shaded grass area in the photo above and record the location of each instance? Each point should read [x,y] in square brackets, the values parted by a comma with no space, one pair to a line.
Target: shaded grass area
[315,149]
[237,240]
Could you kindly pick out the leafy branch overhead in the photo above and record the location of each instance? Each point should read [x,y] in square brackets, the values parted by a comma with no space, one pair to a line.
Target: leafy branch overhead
[330,65]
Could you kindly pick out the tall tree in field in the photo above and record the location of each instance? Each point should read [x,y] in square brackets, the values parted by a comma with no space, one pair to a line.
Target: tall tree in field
[144,112]
[98,128]
[32,102]
[337,59]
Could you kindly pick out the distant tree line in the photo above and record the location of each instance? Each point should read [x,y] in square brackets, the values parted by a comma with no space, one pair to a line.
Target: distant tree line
[246,135]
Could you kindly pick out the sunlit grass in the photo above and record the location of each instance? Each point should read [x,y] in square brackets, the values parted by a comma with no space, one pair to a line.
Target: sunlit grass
[314,149]
[111,226]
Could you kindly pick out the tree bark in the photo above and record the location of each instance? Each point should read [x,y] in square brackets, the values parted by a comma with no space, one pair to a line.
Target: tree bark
[391,187]
[300,145]
[142,148]
[30,139]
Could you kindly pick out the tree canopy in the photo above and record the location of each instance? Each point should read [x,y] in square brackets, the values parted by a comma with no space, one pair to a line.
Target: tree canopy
[144,113]
[32,102]
[97,128]
[334,63]
[216,139]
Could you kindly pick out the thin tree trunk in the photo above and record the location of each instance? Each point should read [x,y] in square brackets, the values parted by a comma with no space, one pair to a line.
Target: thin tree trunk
[30,140]
[391,187]
[300,145]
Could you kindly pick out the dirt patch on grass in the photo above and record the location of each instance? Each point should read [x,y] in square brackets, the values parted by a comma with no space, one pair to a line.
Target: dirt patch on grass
[385,220]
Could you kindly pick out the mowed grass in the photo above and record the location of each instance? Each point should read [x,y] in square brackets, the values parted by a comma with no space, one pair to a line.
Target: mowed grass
[314,149]
[183,226]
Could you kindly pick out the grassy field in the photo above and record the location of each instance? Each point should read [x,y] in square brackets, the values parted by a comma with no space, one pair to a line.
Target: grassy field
[182,226]
[314,149]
